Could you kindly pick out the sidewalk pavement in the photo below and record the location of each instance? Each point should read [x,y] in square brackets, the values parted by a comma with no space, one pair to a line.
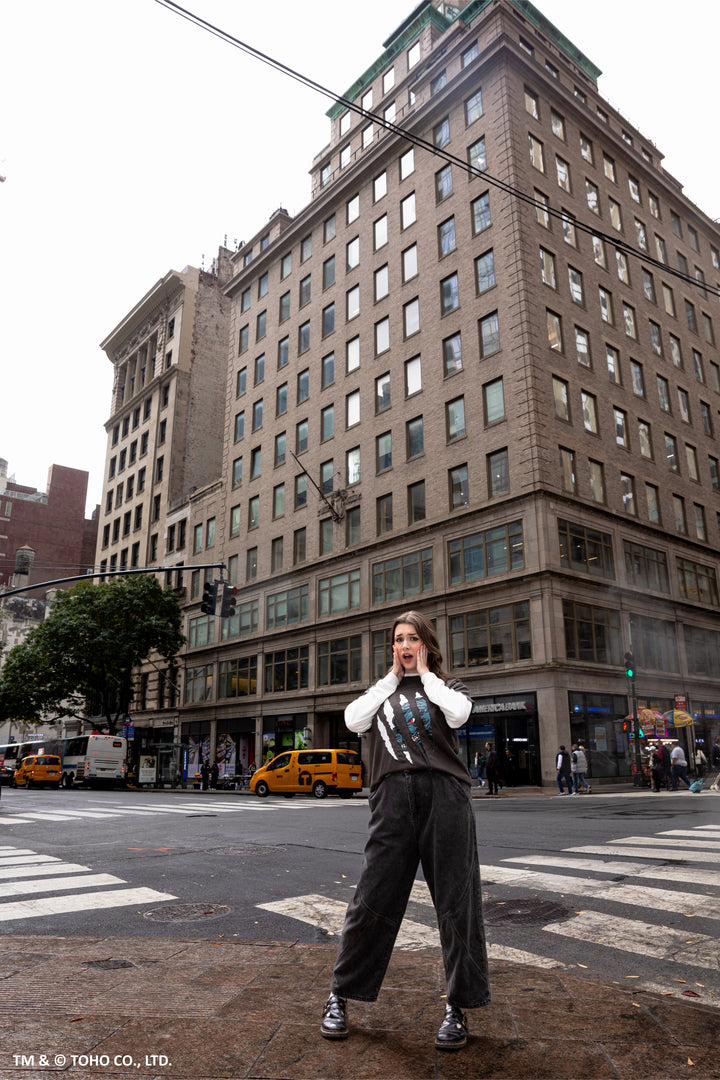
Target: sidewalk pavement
[90,1008]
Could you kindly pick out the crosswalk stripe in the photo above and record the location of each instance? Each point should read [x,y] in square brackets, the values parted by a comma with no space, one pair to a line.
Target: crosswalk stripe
[714,835]
[13,888]
[58,905]
[629,935]
[330,914]
[41,870]
[15,820]
[15,860]
[688,875]
[647,897]
[653,854]
[658,841]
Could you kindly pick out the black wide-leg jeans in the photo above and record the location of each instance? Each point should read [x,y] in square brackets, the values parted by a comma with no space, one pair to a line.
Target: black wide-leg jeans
[417,818]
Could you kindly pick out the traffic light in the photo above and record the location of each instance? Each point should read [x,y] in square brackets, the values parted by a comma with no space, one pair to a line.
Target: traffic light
[209,600]
[629,665]
[228,602]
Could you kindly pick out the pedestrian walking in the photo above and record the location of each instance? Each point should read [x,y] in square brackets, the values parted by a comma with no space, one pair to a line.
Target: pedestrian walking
[657,773]
[701,762]
[420,813]
[509,768]
[715,765]
[204,776]
[678,767]
[578,768]
[214,774]
[563,766]
[491,769]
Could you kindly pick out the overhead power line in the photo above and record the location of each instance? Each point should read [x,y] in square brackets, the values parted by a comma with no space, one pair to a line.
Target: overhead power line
[439,152]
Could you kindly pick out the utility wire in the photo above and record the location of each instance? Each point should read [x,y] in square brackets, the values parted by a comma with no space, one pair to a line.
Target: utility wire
[439,152]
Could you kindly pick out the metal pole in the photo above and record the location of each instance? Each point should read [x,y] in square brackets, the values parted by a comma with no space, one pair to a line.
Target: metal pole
[638,782]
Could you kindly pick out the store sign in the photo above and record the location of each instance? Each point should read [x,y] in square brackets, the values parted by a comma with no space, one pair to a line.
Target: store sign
[499,707]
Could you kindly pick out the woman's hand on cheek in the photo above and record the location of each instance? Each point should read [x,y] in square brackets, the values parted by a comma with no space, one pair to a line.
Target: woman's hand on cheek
[422,665]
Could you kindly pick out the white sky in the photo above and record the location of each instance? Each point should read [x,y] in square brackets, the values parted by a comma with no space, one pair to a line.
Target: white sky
[135,143]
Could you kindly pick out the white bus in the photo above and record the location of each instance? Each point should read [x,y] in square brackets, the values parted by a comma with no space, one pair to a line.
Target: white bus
[86,759]
[12,753]
[94,760]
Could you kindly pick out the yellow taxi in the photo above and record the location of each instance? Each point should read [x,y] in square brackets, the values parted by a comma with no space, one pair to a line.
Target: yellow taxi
[37,769]
[310,772]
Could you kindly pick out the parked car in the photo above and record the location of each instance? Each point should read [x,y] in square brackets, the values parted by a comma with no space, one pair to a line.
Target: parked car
[310,772]
[38,769]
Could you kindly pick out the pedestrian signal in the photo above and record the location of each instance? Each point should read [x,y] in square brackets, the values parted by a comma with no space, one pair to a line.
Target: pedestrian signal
[209,599]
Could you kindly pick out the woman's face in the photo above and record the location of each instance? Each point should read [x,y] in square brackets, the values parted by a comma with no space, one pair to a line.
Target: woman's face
[407,644]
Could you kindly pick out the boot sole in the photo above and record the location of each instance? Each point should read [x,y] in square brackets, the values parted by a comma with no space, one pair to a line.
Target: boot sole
[451,1045]
[333,1034]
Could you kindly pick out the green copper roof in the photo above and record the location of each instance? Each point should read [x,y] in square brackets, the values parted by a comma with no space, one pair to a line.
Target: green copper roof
[426,13]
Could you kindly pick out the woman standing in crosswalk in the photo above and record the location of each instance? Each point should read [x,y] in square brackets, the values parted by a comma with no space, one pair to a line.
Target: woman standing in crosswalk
[421,813]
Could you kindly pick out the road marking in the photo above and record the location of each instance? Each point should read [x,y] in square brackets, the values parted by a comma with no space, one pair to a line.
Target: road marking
[94,901]
[707,907]
[330,915]
[689,875]
[12,888]
[655,854]
[24,859]
[7,872]
[628,935]
[713,845]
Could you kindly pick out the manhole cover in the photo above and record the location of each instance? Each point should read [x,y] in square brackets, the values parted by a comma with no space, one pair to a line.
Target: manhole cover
[524,911]
[111,964]
[187,912]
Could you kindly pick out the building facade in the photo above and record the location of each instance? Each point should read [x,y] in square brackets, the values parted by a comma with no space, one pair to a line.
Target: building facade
[478,375]
[165,443]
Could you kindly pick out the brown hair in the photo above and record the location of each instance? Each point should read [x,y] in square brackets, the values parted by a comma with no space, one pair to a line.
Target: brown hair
[426,631]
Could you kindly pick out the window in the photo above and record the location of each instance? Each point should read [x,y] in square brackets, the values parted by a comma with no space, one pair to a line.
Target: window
[561,398]
[281,399]
[255,462]
[481,213]
[612,357]
[644,439]
[383,452]
[568,227]
[441,132]
[589,409]
[576,286]
[353,253]
[299,546]
[327,423]
[280,448]
[237,472]
[554,330]
[541,213]
[327,476]
[671,453]
[606,311]
[278,502]
[380,229]
[381,282]
[382,336]
[494,401]
[352,354]
[380,187]
[382,392]
[352,410]
[597,480]
[301,437]
[329,272]
[477,156]
[592,196]
[416,502]
[287,608]
[408,214]
[586,149]
[261,326]
[452,354]
[455,419]
[679,514]
[449,294]
[339,661]
[327,376]
[621,429]
[562,170]
[303,386]
[353,209]
[567,470]
[498,472]
[537,158]
[284,307]
[254,512]
[407,164]
[303,337]
[498,635]
[300,491]
[328,320]
[410,262]
[287,670]
[415,438]
[339,593]
[446,237]
[629,320]
[473,107]
[443,183]
[582,346]
[283,352]
[413,376]
[663,388]
[257,415]
[684,405]
[383,514]
[485,271]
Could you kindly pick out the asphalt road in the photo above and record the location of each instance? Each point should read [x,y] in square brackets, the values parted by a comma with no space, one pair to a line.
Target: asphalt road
[627,887]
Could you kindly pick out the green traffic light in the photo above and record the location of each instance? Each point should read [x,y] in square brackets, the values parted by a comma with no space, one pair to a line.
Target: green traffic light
[629,673]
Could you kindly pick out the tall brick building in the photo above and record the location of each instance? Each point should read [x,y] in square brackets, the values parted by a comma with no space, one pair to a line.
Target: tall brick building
[478,375]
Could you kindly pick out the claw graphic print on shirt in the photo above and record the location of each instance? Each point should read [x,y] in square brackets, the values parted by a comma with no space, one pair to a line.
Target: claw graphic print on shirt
[397,735]
[412,725]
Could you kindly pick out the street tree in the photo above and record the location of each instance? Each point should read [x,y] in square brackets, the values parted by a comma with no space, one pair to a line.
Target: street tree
[80,660]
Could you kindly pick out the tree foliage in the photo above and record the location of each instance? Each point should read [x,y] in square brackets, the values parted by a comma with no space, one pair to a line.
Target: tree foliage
[84,653]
